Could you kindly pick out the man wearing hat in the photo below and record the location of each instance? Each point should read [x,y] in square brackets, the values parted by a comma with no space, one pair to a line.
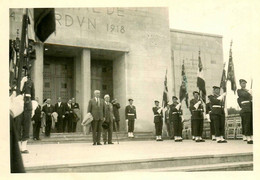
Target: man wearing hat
[109,120]
[196,109]
[158,122]
[212,128]
[246,113]
[176,118]
[217,114]
[130,116]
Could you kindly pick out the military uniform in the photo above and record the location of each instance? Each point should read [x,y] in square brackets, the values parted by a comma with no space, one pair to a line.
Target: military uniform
[246,113]
[176,118]
[116,107]
[217,115]
[158,121]
[23,122]
[130,115]
[212,128]
[109,118]
[197,118]
[48,109]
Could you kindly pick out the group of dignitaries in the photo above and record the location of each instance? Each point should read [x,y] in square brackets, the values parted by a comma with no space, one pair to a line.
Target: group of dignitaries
[215,114]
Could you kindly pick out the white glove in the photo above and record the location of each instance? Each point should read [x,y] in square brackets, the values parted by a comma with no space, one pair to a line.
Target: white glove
[16,105]
[159,110]
[178,106]
[250,91]
[222,96]
[197,104]
[182,119]
[22,82]
[34,106]
[207,116]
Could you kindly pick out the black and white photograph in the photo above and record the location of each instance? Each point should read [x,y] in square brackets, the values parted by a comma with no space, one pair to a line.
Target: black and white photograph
[134,88]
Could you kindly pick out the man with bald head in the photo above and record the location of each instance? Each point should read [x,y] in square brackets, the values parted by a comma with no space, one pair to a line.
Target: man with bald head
[96,107]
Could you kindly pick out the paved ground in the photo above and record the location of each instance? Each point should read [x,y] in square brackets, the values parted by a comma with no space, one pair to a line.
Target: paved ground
[56,154]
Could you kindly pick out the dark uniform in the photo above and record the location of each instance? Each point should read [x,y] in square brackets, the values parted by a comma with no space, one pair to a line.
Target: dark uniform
[37,122]
[23,121]
[197,117]
[60,110]
[130,114]
[48,110]
[175,117]
[74,118]
[217,115]
[116,107]
[208,110]
[246,113]
[68,120]
[109,118]
[158,120]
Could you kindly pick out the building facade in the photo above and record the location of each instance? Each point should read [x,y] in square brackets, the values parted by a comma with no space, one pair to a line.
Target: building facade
[123,52]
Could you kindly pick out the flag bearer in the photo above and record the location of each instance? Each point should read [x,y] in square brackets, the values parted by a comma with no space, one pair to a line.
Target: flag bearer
[217,114]
[246,113]
[158,120]
[130,116]
[196,109]
[176,117]
[212,128]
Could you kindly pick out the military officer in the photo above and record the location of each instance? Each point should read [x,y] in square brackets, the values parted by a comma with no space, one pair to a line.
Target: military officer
[217,114]
[177,119]
[158,120]
[212,128]
[24,120]
[196,109]
[48,109]
[130,116]
[246,113]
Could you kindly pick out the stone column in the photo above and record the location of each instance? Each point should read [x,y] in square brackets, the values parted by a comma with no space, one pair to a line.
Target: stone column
[85,80]
[37,71]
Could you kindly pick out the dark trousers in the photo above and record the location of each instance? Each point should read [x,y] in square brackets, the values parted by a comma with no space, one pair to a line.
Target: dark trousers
[96,130]
[192,127]
[177,127]
[158,128]
[247,127]
[70,123]
[74,126]
[219,124]
[36,128]
[65,124]
[59,124]
[212,127]
[131,125]
[23,121]
[108,133]
[48,126]
[197,127]
[116,126]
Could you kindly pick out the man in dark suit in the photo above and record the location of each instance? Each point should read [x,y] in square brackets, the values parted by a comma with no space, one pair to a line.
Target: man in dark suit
[48,109]
[116,107]
[67,122]
[109,116]
[36,121]
[59,108]
[96,107]
[196,109]
[75,118]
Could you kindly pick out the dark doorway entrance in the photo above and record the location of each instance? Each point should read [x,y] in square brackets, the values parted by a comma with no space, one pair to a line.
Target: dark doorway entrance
[102,77]
[57,78]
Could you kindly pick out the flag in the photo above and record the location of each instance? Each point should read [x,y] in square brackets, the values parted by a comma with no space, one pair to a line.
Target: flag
[231,71]
[201,81]
[183,88]
[44,22]
[165,92]
[223,82]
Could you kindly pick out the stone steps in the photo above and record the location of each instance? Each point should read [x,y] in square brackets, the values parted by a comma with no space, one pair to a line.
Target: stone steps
[239,161]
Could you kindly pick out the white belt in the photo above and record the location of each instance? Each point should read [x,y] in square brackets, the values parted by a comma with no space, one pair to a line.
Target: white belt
[243,102]
[130,114]
[218,106]
[175,112]
[157,115]
[27,95]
